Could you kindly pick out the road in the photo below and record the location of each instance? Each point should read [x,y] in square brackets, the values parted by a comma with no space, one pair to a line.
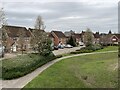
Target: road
[66,50]
[56,52]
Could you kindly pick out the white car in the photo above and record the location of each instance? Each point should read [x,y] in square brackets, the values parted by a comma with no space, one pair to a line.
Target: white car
[1,51]
[68,46]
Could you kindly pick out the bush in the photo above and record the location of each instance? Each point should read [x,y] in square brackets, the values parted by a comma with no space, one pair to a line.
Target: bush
[81,51]
[88,49]
[94,47]
[71,41]
[22,65]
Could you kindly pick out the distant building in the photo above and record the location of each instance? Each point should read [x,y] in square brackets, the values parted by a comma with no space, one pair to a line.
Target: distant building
[13,34]
[69,33]
[109,39]
[96,38]
[58,37]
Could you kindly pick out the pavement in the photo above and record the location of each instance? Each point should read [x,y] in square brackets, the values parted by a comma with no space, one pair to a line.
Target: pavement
[22,81]
[66,50]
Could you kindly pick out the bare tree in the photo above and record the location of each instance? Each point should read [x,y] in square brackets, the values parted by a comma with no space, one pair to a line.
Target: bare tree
[40,40]
[88,37]
[3,22]
[39,24]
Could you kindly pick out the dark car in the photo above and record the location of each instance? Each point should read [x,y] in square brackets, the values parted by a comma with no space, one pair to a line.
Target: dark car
[55,48]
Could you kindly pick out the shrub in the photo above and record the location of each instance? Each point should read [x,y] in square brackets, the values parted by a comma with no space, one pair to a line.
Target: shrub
[22,65]
[81,51]
[88,49]
[71,41]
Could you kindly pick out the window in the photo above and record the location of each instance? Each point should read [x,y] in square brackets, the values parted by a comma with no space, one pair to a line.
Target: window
[15,39]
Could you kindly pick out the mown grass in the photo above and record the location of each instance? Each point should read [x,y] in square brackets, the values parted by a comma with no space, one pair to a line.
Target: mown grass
[89,71]
[22,65]
[108,48]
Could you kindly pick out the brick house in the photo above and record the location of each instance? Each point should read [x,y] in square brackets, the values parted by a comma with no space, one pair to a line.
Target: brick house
[76,36]
[57,37]
[113,39]
[96,38]
[109,39]
[13,38]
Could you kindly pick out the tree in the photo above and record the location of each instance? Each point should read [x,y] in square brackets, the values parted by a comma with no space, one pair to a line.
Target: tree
[3,22]
[39,24]
[71,41]
[88,37]
[40,40]
[22,35]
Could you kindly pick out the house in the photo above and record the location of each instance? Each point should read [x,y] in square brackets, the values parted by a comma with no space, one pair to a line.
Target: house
[14,41]
[78,38]
[69,33]
[110,39]
[58,37]
[96,38]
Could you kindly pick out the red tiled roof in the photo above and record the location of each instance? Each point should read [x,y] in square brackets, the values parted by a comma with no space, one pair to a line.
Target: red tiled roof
[59,34]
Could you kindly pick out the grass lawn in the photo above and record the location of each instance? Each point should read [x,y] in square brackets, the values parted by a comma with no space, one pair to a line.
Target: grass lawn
[108,48]
[89,71]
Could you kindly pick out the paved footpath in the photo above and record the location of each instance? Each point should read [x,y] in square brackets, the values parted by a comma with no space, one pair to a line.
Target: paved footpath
[21,82]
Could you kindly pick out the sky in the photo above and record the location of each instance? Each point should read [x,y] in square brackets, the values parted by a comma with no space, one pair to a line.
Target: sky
[98,15]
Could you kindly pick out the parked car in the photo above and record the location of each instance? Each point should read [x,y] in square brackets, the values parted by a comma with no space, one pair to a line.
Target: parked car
[81,43]
[68,46]
[61,46]
[1,51]
[55,48]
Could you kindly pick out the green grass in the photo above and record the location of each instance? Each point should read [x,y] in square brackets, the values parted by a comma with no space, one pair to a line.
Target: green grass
[108,48]
[22,65]
[89,71]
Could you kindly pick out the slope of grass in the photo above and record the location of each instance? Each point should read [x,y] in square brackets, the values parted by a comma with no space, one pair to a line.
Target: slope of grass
[93,71]
[22,65]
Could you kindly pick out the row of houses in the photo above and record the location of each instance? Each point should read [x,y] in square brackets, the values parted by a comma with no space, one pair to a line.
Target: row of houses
[13,34]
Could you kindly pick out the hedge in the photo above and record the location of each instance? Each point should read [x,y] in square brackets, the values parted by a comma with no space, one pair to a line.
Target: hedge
[24,64]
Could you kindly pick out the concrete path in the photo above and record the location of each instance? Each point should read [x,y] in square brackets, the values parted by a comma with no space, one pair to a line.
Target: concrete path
[21,82]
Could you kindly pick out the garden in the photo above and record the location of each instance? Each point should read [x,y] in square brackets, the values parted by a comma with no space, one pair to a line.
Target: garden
[23,64]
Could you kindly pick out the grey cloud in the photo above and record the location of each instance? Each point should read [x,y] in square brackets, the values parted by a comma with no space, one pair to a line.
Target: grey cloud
[97,17]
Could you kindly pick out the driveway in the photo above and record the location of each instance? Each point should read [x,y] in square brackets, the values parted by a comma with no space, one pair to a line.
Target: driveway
[66,50]
[21,82]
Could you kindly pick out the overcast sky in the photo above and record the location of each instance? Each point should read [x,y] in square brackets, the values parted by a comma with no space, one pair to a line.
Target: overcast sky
[98,15]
